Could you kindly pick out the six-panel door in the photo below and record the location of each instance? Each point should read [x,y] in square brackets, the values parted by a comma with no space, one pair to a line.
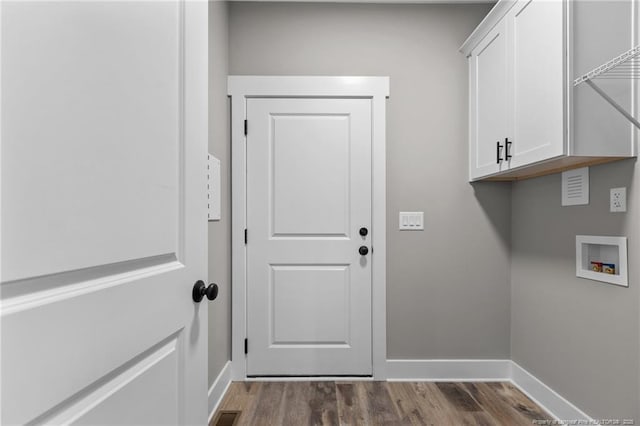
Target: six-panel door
[103,228]
[308,195]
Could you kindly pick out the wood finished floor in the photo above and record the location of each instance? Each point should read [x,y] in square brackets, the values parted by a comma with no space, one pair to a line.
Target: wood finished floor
[379,403]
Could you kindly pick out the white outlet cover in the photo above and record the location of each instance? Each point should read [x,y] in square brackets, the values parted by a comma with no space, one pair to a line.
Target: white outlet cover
[618,200]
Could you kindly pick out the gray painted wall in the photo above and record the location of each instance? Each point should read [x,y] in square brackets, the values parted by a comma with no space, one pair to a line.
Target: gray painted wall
[220,231]
[578,336]
[449,292]
[448,287]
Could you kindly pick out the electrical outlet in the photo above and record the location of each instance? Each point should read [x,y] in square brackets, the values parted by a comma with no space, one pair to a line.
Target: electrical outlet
[618,200]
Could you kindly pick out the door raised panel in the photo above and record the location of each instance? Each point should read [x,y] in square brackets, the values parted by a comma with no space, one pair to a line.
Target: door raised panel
[310,167]
[310,304]
[73,341]
[99,103]
[109,401]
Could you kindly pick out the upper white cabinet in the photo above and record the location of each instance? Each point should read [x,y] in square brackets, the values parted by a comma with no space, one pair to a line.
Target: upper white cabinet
[488,111]
[536,67]
[522,61]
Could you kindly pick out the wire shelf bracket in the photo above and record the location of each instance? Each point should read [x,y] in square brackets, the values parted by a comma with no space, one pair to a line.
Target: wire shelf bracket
[625,66]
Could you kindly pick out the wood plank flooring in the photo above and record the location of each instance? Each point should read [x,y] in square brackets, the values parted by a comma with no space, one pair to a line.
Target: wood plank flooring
[377,403]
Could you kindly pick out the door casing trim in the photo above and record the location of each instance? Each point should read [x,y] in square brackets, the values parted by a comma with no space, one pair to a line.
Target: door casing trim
[241,88]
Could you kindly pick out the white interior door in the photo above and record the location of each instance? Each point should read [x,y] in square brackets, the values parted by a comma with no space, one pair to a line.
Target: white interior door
[103,227]
[308,195]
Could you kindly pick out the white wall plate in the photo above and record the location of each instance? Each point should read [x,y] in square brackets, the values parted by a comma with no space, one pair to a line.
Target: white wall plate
[595,254]
[575,187]
[411,221]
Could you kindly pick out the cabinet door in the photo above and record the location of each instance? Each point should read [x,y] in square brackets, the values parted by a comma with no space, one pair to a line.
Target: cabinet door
[488,104]
[536,72]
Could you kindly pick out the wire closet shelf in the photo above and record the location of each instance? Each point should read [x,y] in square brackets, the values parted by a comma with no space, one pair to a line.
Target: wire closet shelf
[625,66]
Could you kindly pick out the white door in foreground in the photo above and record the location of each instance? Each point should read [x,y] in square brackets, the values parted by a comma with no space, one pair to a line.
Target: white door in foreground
[103,212]
[309,267]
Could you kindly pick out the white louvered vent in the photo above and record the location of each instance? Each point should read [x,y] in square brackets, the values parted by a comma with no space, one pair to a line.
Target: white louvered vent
[575,187]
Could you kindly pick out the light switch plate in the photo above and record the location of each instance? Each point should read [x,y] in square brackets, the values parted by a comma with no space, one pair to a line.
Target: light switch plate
[411,221]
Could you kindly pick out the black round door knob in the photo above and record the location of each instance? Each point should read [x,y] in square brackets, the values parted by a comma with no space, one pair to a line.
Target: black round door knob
[363,250]
[364,231]
[200,291]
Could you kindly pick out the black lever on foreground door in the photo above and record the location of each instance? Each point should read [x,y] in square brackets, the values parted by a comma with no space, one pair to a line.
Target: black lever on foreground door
[363,250]
[200,290]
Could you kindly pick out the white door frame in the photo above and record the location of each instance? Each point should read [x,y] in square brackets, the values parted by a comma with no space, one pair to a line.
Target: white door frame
[241,88]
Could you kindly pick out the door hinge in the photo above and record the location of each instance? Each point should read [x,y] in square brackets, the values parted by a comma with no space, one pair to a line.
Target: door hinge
[246,346]
[245,127]
[245,235]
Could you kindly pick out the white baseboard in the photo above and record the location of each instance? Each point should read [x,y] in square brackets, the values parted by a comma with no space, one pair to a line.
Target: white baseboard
[477,370]
[310,378]
[218,389]
[545,397]
[455,370]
